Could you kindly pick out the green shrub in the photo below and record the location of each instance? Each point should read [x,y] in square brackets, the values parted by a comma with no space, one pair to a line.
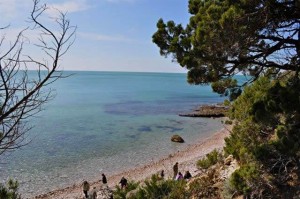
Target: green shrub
[204,188]
[228,191]
[226,102]
[210,159]
[121,193]
[11,191]
[244,141]
[244,178]
[179,191]
[155,188]
[228,122]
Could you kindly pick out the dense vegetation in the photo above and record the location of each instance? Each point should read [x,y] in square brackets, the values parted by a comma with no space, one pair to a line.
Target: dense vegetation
[157,188]
[260,39]
[265,138]
[210,159]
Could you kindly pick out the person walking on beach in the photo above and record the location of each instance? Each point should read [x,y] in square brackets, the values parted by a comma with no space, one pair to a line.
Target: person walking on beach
[123,182]
[85,188]
[104,180]
[175,170]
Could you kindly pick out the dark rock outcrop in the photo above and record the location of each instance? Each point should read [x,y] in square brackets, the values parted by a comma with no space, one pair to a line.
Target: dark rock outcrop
[207,111]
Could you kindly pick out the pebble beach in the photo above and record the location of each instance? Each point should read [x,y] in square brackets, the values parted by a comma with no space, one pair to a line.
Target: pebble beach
[186,158]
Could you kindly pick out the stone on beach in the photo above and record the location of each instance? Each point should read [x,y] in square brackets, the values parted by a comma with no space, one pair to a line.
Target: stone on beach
[228,160]
[177,138]
[105,193]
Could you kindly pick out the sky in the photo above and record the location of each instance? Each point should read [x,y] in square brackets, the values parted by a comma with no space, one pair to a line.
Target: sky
[112,35]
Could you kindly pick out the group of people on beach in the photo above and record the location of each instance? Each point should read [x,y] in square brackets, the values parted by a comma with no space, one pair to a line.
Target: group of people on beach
[92,194]
[123,182]
[178,175]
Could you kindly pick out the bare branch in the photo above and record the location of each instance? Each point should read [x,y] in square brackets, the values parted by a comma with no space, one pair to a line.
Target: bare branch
[23,93]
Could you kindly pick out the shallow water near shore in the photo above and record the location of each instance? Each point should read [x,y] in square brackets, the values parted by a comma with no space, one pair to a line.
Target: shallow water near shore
[107,122]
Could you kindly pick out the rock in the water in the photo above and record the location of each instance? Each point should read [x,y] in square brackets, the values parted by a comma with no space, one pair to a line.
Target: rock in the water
[177,138]
[208,111]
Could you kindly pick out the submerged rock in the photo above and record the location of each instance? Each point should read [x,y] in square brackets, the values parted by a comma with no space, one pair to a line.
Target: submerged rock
[177,138]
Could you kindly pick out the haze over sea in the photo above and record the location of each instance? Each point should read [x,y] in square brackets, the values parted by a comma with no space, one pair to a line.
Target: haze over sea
[107,122]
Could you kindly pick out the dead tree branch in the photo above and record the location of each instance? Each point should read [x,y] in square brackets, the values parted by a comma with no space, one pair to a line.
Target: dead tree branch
[22,92]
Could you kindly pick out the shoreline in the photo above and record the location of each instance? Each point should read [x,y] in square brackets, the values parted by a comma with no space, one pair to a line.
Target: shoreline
[186,158]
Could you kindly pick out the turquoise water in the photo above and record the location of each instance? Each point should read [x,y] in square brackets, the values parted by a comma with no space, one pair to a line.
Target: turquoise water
[107,122]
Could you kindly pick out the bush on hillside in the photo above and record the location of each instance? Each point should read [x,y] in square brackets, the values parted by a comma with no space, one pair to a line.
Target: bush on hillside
[120,193]
[243,178]
[210,159]
[10,191]
[266,136]
[156,188]
[205,186]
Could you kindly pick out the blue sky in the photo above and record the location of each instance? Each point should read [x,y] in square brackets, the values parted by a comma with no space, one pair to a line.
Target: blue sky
[112,35]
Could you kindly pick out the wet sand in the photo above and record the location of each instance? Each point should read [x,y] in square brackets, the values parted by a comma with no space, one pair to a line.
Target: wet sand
[186,158]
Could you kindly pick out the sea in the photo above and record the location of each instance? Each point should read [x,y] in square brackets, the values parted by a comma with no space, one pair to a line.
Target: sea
[107,122]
